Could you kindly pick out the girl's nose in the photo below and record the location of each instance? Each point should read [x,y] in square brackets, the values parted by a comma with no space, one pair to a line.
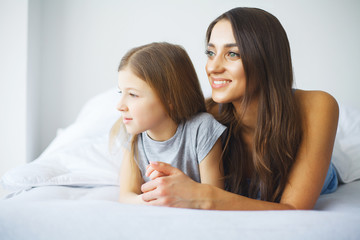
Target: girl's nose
[121,106]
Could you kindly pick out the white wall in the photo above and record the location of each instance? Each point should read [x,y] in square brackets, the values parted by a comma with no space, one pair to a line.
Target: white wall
[83,41]
[13,60]
[33,147]
[325,37]
[76,45]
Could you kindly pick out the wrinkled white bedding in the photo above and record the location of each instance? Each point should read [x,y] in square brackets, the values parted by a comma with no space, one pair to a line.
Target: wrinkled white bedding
[59,212]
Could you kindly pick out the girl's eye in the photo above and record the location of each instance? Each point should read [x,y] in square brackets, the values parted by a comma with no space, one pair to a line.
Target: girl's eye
[209,53]
[133,95]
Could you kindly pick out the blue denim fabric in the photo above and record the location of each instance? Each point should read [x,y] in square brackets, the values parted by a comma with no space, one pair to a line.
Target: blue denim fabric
[330,184]
[331,181]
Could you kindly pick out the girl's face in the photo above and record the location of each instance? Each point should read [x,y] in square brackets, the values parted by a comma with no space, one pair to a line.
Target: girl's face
[224,66]
[140,106]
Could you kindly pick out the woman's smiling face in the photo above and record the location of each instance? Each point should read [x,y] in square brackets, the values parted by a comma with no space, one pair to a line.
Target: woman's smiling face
[224,66]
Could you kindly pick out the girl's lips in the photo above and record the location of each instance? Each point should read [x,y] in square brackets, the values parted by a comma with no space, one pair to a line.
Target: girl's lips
[219,82]
[126,120]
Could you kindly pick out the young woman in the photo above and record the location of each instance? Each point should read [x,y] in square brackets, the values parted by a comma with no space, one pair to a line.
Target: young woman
[278,149]
[163,113]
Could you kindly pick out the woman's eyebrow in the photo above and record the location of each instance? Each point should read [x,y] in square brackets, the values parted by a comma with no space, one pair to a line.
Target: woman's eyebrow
[228,45]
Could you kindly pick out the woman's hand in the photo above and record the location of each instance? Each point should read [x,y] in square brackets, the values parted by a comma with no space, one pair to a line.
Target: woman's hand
[173,188]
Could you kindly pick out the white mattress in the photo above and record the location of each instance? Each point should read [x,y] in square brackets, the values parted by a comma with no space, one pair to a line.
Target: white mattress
[58,212]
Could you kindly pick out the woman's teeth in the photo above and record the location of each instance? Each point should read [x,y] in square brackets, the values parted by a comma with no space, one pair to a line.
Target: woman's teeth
[220,82]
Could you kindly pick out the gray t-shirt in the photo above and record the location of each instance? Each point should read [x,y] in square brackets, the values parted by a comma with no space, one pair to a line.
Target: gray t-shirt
[191,143]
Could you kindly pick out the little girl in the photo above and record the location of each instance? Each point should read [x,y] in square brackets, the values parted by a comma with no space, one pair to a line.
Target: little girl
[164,118]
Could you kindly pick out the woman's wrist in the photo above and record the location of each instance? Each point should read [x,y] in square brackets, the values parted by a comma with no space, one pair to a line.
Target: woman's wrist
[207,194]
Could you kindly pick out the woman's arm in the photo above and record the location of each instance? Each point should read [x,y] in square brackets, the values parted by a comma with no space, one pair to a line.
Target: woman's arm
[320,113]
[178,190]
[130,180]
[307,176]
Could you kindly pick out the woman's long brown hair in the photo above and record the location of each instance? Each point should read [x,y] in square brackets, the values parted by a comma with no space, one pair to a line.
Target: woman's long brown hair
[265,54]
[168,70]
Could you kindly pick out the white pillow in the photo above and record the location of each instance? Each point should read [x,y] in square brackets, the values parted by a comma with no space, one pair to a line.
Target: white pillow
[79,155]
[95,118]
[346,154]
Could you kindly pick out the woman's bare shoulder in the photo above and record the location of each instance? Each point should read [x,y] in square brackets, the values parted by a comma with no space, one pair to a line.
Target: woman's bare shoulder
[314,104]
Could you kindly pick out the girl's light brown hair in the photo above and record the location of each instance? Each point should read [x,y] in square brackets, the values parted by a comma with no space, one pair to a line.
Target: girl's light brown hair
[168,70]
[265,53]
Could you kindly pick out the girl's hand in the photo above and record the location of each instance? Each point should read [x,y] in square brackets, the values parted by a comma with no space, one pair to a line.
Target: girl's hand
[173,189]
[152,173]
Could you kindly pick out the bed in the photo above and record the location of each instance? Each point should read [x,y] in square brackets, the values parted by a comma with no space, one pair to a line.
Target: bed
[71,191]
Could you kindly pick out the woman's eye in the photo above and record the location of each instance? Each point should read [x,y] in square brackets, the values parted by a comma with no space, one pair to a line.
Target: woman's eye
[233,55]
[209,53]
[133,95]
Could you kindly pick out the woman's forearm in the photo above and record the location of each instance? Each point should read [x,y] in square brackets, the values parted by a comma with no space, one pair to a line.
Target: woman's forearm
[213,198]
[178,190]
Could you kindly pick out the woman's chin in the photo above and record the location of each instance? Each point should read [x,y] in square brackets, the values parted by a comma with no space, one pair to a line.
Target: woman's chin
[219,99]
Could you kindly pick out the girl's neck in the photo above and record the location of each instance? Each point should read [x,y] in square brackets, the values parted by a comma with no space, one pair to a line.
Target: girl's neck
[163,131]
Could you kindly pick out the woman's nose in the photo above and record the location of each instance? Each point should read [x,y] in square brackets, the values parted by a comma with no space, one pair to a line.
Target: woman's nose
[214,65]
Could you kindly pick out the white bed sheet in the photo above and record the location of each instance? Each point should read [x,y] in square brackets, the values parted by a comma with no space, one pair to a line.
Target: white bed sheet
[50,193]
[59,212]
[346,197]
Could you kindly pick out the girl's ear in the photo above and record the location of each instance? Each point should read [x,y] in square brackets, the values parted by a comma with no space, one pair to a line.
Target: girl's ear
[171,106]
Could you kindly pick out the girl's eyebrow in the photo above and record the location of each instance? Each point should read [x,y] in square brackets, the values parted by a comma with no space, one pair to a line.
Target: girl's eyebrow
[228,45]
[130,89]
